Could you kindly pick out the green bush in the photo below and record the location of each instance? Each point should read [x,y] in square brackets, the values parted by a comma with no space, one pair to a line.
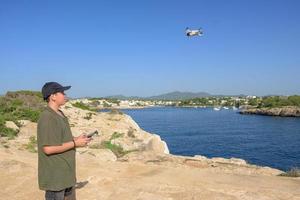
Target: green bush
[82,106]
[276,101]
[253,102]
[294,100]
[19,105]
[26,93]
[6,132]
[2,121]
[29,114]
[116,149]
[13,109]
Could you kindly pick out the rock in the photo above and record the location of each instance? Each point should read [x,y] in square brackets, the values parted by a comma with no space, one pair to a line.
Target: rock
[286,111]
[12,165]
[150,196]
[200,157]
[12,125]
[290,112]
[142,174]
[156,144]
[28,130]
[104,155]
[235,161]
[24,122]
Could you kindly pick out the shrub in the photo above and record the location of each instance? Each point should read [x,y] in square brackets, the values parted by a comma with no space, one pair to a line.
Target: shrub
[253,102]
[116,149]
[25,93]
[130,132]
[277,101]
[114,101]
[19,105]
[294,100]
[96,146]
[88,116]
[82,106]
[116,135]
[13,108]
[294,172]
[106,105]
[29,114]
[7,132]
[32,144]
[94,103]
[4,143]
[116,112]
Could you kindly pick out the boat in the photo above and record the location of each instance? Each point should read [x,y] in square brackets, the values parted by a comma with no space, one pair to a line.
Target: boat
[217,108]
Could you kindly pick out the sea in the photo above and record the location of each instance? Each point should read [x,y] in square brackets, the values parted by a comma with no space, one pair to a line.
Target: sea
[260,140]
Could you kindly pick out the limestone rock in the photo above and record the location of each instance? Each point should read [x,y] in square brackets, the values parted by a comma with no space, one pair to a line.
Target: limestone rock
[146,174]
[12,125]
[156,144]
[27,130]
[24,122]
[286,111]
[235,161]
[104,155]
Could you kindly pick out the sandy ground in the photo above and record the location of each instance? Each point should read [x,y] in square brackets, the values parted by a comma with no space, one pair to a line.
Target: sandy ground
[143,181]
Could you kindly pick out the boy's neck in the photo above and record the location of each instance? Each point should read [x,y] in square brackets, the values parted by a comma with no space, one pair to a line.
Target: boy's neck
[54,106]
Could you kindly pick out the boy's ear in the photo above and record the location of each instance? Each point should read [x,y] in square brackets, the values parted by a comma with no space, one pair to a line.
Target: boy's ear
[52,97]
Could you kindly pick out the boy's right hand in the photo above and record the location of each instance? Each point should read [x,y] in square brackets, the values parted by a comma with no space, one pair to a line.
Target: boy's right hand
[82,140]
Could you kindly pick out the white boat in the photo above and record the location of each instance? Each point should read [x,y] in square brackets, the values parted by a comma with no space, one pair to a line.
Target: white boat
[217,108]
[226,108]
[234,108]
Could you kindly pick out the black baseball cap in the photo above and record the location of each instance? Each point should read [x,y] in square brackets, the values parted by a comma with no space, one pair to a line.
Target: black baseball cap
[52,88]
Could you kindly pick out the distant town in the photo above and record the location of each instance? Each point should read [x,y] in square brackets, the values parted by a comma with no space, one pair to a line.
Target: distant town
[201,102]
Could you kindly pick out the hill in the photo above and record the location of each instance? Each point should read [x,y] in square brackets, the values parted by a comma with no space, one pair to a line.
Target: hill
[177,95]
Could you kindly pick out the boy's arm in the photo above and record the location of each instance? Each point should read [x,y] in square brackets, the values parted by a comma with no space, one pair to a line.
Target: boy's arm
[80,141]
[59,149]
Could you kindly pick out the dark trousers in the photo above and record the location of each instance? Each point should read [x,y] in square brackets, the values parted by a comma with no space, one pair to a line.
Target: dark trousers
[66,194]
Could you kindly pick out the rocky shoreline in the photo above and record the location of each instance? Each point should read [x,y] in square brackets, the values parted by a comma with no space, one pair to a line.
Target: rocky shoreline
[142,170]
[286,111]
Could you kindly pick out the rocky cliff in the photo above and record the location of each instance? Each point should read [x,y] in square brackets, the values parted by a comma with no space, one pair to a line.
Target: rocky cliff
[287,111]
[136,165]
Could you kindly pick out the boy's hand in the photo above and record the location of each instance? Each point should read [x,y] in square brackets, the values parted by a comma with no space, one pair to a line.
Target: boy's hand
[82,140]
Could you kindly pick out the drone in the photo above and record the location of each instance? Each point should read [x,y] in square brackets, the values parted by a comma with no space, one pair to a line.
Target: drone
[193,32]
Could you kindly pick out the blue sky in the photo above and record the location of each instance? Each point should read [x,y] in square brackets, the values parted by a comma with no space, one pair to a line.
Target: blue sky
[139,48]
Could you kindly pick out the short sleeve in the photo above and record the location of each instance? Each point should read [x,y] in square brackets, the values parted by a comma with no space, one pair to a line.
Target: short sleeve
[49,132]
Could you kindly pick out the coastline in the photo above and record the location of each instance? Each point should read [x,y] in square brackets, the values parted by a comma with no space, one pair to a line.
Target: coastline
[287,111]
[149,172]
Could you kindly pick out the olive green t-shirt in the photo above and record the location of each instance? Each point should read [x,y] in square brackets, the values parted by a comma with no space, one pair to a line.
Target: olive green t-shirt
[57,171]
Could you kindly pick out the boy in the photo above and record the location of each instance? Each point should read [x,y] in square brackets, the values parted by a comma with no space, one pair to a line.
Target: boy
[57,147]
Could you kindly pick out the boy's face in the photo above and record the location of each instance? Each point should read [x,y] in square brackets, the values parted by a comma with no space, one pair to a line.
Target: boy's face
[60,98]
